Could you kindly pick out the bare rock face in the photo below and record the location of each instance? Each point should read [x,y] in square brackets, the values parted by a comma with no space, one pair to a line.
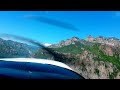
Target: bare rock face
[102,72]
[68,42]
[75,39]
[90,38]
[65,43]
[71,41]
[91,69]
[118,76]
[94,63]
[84,55]
[108,50]
[103,40]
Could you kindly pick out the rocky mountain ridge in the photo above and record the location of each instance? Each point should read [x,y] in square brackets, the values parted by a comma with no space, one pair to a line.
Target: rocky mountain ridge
[94,58]
[9,48]
[104,40]
[100,39]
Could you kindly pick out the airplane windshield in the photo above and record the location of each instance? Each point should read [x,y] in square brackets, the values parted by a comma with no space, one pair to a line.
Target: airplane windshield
[86,41]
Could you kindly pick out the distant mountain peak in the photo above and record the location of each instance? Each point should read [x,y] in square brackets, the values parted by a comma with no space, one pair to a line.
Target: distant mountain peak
[72,40]
[75,38]
[104,40]
[90,38]
[100,39]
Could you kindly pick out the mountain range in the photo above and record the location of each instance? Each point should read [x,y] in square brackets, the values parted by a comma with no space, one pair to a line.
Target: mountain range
[100,39]
[10,48]
[93,58]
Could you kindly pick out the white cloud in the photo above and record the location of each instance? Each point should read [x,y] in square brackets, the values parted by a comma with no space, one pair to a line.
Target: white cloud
[47,44]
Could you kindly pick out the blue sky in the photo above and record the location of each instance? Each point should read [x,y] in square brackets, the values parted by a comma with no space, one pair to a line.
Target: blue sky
[95,23]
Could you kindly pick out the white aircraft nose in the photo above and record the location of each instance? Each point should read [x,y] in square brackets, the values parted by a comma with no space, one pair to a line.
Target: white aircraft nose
[41,61]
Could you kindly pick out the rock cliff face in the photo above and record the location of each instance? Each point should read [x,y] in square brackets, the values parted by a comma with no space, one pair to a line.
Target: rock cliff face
[103,40]
[90,38]
[94,58]
[67,42]
[92,69]
[109,41]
